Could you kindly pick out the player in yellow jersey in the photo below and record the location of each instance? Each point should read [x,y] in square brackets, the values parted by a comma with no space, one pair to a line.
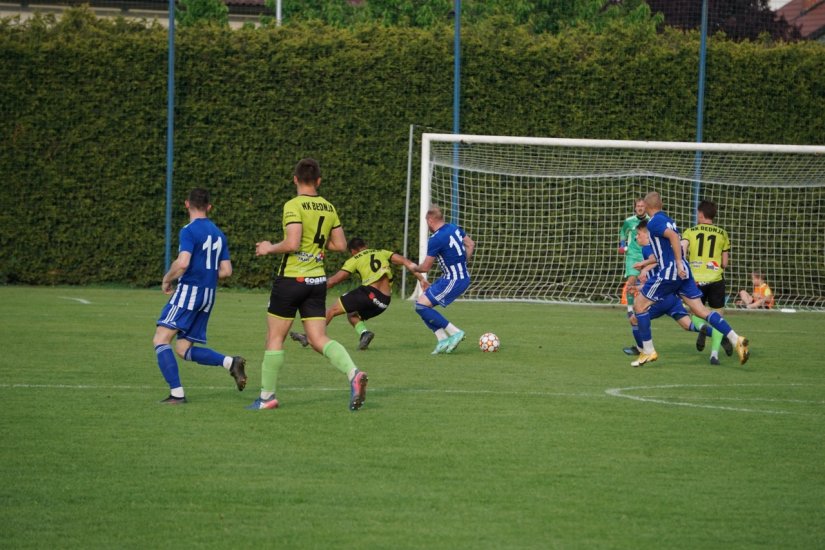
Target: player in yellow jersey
[707,247]
[372,298]
[311,226]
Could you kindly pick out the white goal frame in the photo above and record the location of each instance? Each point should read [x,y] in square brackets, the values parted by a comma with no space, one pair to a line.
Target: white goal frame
[690,181]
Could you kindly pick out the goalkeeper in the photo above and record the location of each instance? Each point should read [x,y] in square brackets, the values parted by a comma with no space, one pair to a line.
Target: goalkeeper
[372,298]
[632,255]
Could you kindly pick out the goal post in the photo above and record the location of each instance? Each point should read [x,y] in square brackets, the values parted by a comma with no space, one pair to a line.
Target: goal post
[545,212]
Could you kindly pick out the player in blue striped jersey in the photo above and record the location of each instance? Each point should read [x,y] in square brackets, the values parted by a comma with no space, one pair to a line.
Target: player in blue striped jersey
[451,247]
[203,258]
[673,277]
[671,305]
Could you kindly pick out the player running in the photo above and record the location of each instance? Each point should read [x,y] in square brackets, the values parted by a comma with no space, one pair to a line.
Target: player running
[671,306]
[673,277]
[203,258]
[707,247]
[310,226]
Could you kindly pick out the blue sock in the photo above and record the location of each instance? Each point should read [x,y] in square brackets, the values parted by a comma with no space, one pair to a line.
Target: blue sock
[635,331]
[718,322]
[644,326]
[637,337]
[168,365]
[433,319]
[204,356]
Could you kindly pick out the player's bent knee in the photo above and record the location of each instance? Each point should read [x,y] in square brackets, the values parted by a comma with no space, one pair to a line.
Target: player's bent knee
[181,347]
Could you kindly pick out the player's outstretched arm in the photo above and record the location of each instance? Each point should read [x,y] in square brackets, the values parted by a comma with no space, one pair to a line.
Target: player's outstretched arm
[425,266]
[398,259]
[337,278]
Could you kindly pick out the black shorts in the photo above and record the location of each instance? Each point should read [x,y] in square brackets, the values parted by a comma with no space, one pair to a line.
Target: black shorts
[307,296]
[366,302]
[713,294]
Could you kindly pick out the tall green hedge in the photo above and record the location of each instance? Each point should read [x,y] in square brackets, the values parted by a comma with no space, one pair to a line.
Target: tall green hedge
[83,122]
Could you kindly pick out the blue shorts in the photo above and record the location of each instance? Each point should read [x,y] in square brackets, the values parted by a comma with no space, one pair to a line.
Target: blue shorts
[669,305]
[444,291]
[657,289]
[191,325]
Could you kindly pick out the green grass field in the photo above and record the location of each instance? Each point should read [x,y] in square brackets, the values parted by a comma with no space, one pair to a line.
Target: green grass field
[554,442]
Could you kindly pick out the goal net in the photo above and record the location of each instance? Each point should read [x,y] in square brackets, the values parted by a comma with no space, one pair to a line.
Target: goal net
[545,213]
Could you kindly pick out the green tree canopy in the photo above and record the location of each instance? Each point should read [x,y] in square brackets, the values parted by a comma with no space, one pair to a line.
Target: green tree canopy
[538,15]
[196,12]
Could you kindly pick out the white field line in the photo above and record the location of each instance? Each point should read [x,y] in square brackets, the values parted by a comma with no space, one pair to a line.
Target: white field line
[621,392]
[81,300]
[297,388]
[676,400]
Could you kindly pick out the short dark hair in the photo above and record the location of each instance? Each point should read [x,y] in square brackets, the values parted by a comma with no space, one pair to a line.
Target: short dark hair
[307,170]
[642,225]
[708,209]
[356,243]
[199,198]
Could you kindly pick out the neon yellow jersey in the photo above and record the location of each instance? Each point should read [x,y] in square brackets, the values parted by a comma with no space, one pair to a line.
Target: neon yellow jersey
[370,265]
[706,243]
[318,218]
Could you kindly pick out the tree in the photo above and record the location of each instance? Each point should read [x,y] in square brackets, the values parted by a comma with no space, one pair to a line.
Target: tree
[738,19]
[202,12]
[539,16]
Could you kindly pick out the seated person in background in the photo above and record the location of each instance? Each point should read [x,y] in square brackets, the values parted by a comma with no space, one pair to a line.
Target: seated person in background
[762,296]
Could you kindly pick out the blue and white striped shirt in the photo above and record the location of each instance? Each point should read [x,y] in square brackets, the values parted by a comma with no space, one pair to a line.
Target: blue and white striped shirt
[662,250]
[447,246]
[208,246]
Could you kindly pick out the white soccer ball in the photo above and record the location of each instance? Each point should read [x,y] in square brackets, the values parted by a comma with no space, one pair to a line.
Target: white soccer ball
[489,342]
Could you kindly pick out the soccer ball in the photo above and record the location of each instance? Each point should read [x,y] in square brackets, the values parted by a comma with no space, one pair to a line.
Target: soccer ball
[488,342]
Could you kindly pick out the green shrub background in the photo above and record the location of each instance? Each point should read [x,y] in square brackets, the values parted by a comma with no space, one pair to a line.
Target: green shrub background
[83,123]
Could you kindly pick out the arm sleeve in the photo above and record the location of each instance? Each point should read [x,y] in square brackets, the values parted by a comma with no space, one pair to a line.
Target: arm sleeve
[224,249]
[186,241]
[349,265]
[291,213]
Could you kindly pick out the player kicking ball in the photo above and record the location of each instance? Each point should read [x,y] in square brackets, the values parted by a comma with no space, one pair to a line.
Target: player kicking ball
[372,298]
[452,247]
